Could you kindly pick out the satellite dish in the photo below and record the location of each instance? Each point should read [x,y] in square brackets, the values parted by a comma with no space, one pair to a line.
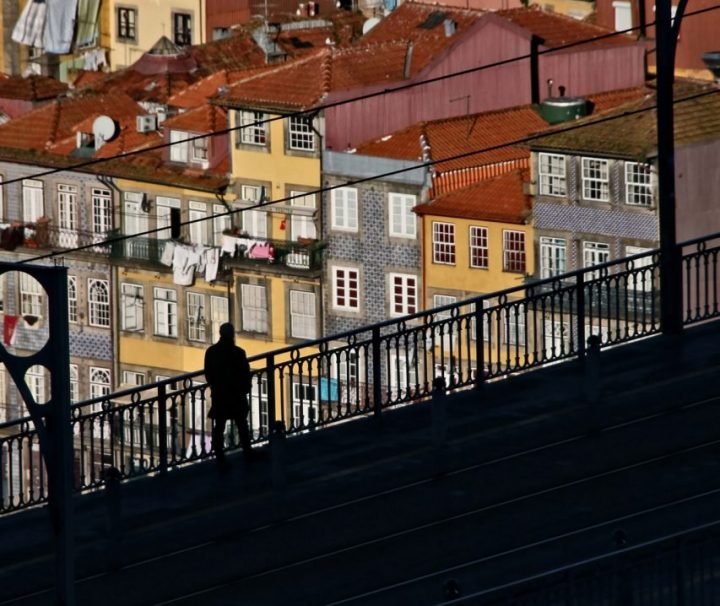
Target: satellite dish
[369,24]
[104,128]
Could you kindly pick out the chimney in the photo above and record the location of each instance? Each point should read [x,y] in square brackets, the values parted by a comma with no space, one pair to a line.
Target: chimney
[408,61]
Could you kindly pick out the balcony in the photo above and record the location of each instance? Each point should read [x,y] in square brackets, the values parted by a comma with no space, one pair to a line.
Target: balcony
[245,251]
[43,235]
[138,248]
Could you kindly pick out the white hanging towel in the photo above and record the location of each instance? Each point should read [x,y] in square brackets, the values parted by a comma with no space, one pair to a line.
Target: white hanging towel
[60,25]
[212,260]
[30,27]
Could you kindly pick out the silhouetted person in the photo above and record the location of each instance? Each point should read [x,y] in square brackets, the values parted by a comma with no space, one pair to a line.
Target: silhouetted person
[228,373]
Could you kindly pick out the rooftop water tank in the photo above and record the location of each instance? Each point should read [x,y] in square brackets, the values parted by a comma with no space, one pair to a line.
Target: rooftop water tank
[562,109]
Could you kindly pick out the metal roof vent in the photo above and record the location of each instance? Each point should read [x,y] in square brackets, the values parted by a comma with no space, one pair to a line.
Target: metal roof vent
[562,109]
[712,60]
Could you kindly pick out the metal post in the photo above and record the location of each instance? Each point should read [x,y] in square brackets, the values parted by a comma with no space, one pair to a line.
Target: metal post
[162,427]
[479,345]
[277,454]
[377,375]
[670,271]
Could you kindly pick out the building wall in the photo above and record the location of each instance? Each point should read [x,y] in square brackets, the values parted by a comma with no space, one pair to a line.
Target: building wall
[224,14]
[698,33]
[154,20]
[580,71]
[697,183]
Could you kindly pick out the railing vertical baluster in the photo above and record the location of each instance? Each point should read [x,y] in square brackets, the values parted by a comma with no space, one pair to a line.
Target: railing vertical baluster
[479,345]
[270,374]
[580,313]
[2,476]
[162,427]
[377,372]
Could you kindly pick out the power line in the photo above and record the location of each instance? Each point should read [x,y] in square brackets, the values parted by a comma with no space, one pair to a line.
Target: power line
[314,110]
[519,141]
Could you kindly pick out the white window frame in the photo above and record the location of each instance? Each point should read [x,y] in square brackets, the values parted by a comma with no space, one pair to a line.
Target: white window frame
[165,322]
[513,255]
[595,253]
[221,221]
[100,382]
[131,377]
[219,314]
[254,222]
[101,212]
[74,383]
[403,375]
[303,314]
[67,207]
[36,381]
[72,299]
[253,128]
[195,314]
[33,192]
[637,283]
[254,308]
[553,256]
[344,209]
[179,151]
[403,293]
[302,225]
[98,302]
[552,170]
[163,206]
[402,221]
[638,184]
[346,288]
[32,296]
[304,396]
[443,243]
[595,179]
[132,304]
[301,136]
[479,247]
[623,15]
[197,215]
[199,150]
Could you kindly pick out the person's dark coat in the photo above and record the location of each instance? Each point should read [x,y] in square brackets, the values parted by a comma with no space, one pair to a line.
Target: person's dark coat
[228,373]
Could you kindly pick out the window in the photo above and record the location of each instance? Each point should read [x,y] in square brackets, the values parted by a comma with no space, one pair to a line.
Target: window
[302,225]
[126,20]
[218,314]
[132,304]
[178,146]
[72,299]
[445,334]
[199,150]
[67,207]
[163,213]
[479,247]
[253,129]
[556,338]
[402,218]
[553,257]
[221,222]
[31,296]
[623,15]
[514,251]
[33,200]
[302,315]
[403,294]
[74,383]
[638,184]
[595,253]
[197,225]
[195,316]
[131,377]
[99,382]
[254,308]
[641,279]
[300,133]
[182,29]
[101,213]
[551,168]
[344,208]
[595,179]
[35,379]
[165,302]
[403,374]
[260,419]
[346,289]
[443,239]
[304,397]
[99,303]
[254,222]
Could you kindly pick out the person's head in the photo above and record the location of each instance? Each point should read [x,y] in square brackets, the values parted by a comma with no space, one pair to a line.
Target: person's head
[227,332]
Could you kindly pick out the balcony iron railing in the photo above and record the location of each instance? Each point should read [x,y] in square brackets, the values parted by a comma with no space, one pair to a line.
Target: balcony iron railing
[318,383]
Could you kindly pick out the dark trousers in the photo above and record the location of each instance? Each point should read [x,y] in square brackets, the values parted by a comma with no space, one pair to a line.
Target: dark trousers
[218,434]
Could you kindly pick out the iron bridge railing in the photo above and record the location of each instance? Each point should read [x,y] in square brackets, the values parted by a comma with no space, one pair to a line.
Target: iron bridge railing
[299,389]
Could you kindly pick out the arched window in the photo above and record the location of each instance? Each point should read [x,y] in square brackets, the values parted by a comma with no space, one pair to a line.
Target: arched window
[99,303]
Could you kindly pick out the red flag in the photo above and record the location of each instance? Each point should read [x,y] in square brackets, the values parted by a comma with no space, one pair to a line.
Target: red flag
[9,326]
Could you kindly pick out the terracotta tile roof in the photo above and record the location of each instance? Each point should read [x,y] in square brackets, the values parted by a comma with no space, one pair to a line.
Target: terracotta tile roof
[31,88]
[630,131]
[555,29]
[204,119]
[154,88]
[237,52]
[501,199]
[302,83]
[198,93]
[465,134]
[56,121]
[83,77]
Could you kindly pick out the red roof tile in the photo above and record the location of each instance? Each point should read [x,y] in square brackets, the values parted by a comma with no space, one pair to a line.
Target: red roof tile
[204,119]
[501,199]
[198,93]
[31,88]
